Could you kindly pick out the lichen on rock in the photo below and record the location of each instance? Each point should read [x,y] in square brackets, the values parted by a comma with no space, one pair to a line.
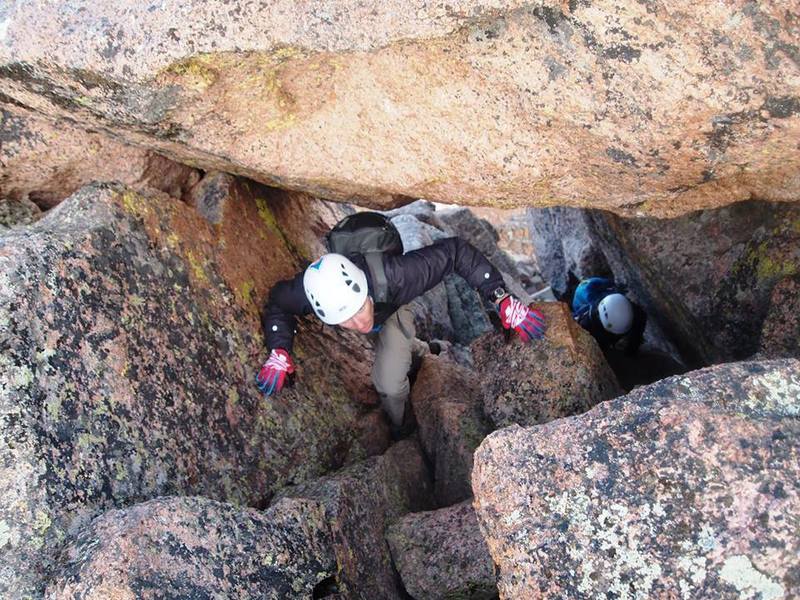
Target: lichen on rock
[123,348]
[685,487]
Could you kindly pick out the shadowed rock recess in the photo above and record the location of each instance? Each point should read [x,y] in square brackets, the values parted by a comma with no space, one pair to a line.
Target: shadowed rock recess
[45,161]
[638,107]
[706,279]
[359,503]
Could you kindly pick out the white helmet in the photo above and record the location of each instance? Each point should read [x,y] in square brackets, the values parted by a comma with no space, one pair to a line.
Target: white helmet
[616,313]
[335,287]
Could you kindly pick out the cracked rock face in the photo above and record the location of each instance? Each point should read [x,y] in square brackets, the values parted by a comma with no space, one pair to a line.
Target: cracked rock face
[448,406]
[637,107]
[130,341]
[452,310]
[360,502]
[198,548]
[441,555]
[687,488]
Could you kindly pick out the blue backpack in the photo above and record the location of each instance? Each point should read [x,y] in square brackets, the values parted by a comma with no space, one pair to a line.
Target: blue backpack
[589,292]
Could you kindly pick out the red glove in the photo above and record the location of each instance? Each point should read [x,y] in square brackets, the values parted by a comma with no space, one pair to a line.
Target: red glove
[527,322]
[272,375]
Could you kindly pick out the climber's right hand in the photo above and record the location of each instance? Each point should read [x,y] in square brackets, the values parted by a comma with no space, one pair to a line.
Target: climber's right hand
[271,377]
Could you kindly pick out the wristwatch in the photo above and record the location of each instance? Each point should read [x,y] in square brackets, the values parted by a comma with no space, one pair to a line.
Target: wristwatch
[499,293]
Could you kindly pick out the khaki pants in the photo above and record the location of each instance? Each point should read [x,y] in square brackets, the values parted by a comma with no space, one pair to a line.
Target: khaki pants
[395,346]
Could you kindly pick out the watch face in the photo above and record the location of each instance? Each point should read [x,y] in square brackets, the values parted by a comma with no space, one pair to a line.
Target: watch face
[499,293]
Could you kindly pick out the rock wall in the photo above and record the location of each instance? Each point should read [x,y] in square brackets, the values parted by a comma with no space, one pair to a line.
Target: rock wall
[131,337]
[780,336]
[359,503]
[448,404]
[685,488]
[197,548]
[514,238]
[129,329]
[17,212]
[441,555]
[130,340]
[563,241]
[453,310]
[563,374]
[705,279]
[639,107]
[45,160]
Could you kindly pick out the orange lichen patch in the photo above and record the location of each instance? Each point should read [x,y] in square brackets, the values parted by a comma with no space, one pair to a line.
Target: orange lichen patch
[173,227]
[247,250]
[255,254]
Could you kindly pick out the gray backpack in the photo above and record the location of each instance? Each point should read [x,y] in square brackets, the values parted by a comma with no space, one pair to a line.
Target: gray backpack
[372,235]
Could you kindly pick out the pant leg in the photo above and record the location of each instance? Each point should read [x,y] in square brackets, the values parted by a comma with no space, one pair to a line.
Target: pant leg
[394,349]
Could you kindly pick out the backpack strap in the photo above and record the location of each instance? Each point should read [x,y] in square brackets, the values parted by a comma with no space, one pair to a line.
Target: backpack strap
[379,282]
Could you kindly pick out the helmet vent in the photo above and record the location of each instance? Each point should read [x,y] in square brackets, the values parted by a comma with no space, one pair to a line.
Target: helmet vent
[356,288]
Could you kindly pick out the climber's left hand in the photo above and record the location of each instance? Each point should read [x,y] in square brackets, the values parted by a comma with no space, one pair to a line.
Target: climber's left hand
[273,373]
[528,322]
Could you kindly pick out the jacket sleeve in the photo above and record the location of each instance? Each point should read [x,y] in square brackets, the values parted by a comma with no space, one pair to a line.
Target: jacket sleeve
[287,299]
[594,326]
[416,272]
[584,317]
[636,334]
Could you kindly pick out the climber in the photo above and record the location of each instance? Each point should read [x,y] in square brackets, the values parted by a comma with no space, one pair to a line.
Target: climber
[601,307]
[342,292]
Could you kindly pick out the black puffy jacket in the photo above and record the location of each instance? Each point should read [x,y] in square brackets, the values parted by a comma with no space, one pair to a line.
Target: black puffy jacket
[408,276]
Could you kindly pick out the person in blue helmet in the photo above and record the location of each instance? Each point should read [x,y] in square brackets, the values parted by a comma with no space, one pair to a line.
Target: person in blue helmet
[340,291]
[601,307]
